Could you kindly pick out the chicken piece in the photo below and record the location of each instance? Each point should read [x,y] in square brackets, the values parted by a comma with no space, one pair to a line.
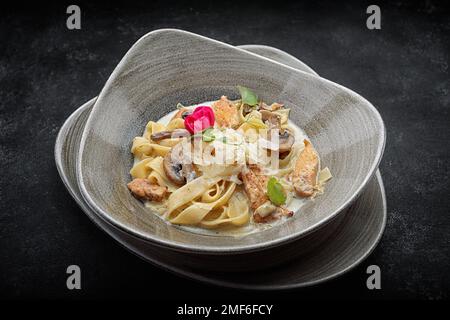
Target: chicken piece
[255,184]
[283,211]
[226,113]
[306,167]
[259,219]
[144,190]
[279,212]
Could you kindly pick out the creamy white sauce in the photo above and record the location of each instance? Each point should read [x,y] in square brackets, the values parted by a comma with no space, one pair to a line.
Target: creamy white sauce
[293,203]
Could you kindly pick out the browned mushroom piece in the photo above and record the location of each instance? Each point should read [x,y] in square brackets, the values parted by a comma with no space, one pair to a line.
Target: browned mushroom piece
[182,113]
[283,155]
[263,106]
[188,172]
[274,106]
[273,119]
[286,140]
[176,168]
[247,109]
[170,134]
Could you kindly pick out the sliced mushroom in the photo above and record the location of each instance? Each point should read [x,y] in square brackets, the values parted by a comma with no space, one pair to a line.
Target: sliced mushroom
[182,113]
[176,168]
[273,119]
[283,155]
[286,140]
[247,109]
[263,106]
[169,134]
[188,171]
[173,170]
[274,106]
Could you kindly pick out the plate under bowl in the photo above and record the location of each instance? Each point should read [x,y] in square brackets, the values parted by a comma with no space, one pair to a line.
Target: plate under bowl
[356,237]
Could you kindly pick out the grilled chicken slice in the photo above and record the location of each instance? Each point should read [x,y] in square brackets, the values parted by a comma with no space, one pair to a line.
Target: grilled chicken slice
[255,184]
[226,113]
[304,176]
[144,190]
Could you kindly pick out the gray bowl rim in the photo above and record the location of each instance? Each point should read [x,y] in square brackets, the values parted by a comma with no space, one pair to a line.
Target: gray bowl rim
[218,249]
[281,52]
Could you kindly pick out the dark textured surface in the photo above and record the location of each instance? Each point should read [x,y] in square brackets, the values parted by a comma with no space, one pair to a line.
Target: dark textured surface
[47,71]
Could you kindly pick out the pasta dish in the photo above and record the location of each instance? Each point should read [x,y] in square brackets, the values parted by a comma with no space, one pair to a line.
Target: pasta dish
[226,164]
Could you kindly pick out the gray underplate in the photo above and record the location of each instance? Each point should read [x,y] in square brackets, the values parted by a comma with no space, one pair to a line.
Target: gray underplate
[352,240]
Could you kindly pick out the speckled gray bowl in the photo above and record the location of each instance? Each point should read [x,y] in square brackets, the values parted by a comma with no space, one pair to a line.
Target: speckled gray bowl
[170,66]
[351,242]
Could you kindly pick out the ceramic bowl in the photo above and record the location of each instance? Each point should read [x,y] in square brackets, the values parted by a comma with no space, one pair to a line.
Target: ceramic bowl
[348,245]
[168,66]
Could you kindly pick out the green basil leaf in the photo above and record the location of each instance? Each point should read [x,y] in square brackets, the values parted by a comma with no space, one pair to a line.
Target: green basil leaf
[208,136]
[275,192]
[248,96]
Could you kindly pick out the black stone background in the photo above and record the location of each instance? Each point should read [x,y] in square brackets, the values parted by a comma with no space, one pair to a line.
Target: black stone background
[47,71]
